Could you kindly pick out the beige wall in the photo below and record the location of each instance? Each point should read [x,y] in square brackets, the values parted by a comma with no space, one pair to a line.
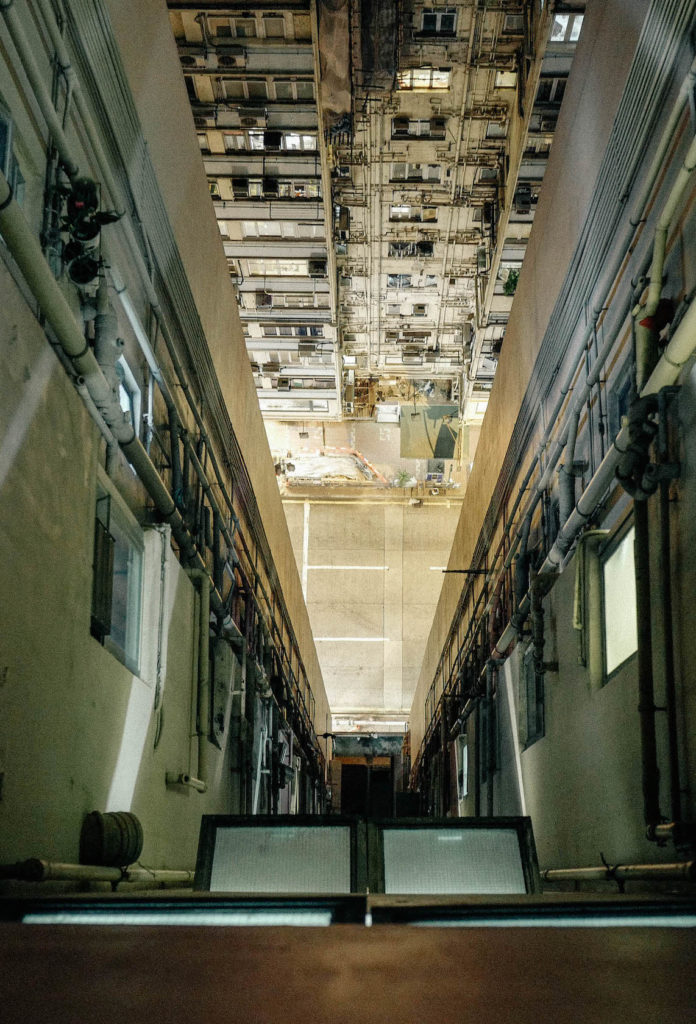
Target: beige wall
[154,73]
[601,64]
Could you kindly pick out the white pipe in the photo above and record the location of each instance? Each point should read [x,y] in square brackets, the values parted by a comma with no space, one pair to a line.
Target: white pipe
[203,580]
[184,779]
[681,871]
[663,225]
[36,870]
[36,80]
[28,256]
[680,349]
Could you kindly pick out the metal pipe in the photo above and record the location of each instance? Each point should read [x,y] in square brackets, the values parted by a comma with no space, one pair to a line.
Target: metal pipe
[668,651]
[184,779]
[36,81]
[646,694]
[37,870]
[203,703]
[490,737]
[662,229]
[682,871]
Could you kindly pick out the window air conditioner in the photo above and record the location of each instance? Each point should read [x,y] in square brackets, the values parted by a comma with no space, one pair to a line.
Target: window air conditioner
[252,117]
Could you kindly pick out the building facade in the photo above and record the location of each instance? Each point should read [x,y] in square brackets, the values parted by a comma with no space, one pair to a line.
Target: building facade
[135,474]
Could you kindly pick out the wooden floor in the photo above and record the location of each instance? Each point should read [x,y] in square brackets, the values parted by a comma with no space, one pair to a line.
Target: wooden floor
[346,973]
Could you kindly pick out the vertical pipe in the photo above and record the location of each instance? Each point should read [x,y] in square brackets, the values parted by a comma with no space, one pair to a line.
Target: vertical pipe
[444,770]
[668,652]
[490,730]
[477,761]
[646,695]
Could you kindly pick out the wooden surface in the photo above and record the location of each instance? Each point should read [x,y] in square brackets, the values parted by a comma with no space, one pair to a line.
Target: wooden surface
[346,973]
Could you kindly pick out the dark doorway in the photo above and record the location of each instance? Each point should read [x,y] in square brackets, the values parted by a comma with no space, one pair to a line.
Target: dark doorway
[366,791]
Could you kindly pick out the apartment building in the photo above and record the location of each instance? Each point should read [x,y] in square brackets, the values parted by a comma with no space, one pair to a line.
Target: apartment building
[156,655]
[252,77]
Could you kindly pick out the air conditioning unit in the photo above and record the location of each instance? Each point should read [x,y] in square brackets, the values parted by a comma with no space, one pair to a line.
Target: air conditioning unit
[523,199]
[263,299]
[252,117]
[317,268]
[283,385]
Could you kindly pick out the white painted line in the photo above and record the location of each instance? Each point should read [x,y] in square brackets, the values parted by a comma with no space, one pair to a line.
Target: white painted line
[371,568]
[305,549]
[437,568]
[350,639]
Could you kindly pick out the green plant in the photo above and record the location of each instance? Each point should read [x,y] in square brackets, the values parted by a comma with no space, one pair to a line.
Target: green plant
[511,282]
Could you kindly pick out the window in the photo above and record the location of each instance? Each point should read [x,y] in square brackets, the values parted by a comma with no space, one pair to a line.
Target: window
[414,214]
[274,26]
[129,393]
[513,25]
[398,280]
[290,90]
[566,28]
[505,79]
[117,579]
[439,23]
[415,172]
[277,268]
[551,90]
[292,331]
[531,700]
[619,603]
[423,127]
[423,78]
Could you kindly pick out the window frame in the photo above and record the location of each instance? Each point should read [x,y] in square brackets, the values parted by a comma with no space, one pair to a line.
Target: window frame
[624,532]
[412,79]
[120,520]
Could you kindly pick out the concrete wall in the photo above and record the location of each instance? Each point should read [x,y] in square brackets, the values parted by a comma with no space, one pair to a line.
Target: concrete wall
[390,606]
[77,727]
[153,68]
[78,730]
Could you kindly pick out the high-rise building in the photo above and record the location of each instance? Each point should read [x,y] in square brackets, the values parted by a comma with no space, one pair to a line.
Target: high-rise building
[158,661]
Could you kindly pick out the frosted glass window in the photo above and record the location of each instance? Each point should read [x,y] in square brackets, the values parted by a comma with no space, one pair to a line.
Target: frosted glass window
[302,859]
[451,860]
[620,625]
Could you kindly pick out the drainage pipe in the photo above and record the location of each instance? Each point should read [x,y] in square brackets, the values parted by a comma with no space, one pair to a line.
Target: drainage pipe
[677,353]
[668,651]
[36,870]
[682,871]
[36,81]
[28,256]
[203,580]
[646,693]
[662,229]
[490,737]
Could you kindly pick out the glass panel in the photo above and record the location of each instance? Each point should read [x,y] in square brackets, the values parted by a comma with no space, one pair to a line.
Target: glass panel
[449,860]
[620,625]
[292,859]
[576,28]
[559,27]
